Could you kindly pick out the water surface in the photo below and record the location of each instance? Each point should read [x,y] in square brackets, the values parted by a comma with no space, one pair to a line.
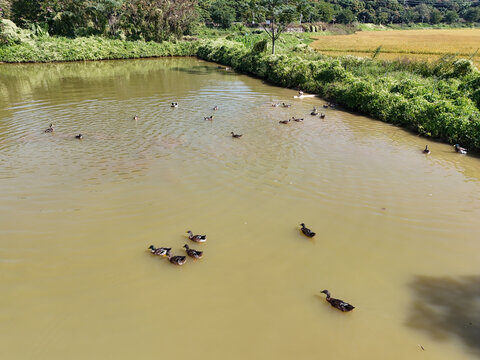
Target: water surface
[397,231]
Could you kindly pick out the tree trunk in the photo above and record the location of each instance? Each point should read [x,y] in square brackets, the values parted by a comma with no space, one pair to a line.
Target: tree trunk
[273,38]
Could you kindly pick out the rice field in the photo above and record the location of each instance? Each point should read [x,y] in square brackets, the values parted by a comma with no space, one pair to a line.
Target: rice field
[399,44]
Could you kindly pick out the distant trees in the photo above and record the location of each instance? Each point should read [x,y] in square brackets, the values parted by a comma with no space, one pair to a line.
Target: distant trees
[163,19]
[222,13]
[157,19]
[450,17]
[346,16]
[148,19]
[472,14]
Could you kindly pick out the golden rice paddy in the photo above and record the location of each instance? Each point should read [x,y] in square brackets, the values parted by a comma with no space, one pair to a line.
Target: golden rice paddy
[412,44]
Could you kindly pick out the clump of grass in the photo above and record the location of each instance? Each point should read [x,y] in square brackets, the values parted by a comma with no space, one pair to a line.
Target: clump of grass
[376,52]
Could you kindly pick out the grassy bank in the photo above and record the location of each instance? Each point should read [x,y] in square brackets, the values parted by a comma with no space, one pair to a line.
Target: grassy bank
[439,100]
[49,49]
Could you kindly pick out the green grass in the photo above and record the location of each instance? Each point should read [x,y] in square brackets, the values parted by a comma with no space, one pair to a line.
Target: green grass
[90,48]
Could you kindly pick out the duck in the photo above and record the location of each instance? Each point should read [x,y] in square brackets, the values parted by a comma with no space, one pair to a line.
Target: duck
[286,105]
[236,136]
[322,116]
[307,231]
[215,108]
[314,111]
[275,104]
[135,117]
[193,253]
[176,260]
[297,119]
[196,238]
[426,150]
[159,251]
[210,118]
[174,104]
[460,149]
[325,106]
[50,129]
[284,121]
[79,136]
[337,303]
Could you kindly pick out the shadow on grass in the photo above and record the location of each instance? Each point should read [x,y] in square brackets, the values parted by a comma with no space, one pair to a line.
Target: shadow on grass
[448,308]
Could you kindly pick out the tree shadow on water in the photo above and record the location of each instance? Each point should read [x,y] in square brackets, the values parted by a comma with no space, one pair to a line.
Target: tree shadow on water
[448,307]
[204,70]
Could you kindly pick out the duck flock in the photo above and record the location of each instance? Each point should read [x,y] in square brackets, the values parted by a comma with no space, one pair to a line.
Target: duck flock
[196,254]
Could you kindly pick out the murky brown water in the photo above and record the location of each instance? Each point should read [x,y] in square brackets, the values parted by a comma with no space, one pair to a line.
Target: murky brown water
[397,231]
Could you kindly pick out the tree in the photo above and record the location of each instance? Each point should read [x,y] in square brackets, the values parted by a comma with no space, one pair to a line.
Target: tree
[435,16]
[222,13]
[157,20]
[367,16]
[450,17]
[105,15]
[382,18]
[346,16]
[26,11]
[5,6]
[325,11]
[423,13]
[278,13]
[472,14]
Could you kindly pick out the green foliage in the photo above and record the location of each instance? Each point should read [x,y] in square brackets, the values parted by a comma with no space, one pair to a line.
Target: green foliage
[91,48]
[10,34]
[279,13]
[222,13]
[472,14]
[450,16]
[157,20]
[346,16]
[260,46]
[376,52]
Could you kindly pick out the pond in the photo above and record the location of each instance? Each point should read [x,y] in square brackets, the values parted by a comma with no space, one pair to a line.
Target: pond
[397,231]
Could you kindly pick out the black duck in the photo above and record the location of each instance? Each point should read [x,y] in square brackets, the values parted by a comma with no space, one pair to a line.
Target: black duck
[337,303]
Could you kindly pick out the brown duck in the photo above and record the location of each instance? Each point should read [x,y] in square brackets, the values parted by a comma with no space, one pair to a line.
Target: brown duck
[192,252]
[236,136]
[176,260]
[196,238]
[159,251]
[337,303]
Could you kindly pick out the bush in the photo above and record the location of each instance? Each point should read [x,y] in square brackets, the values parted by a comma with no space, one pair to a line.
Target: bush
[10,34]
